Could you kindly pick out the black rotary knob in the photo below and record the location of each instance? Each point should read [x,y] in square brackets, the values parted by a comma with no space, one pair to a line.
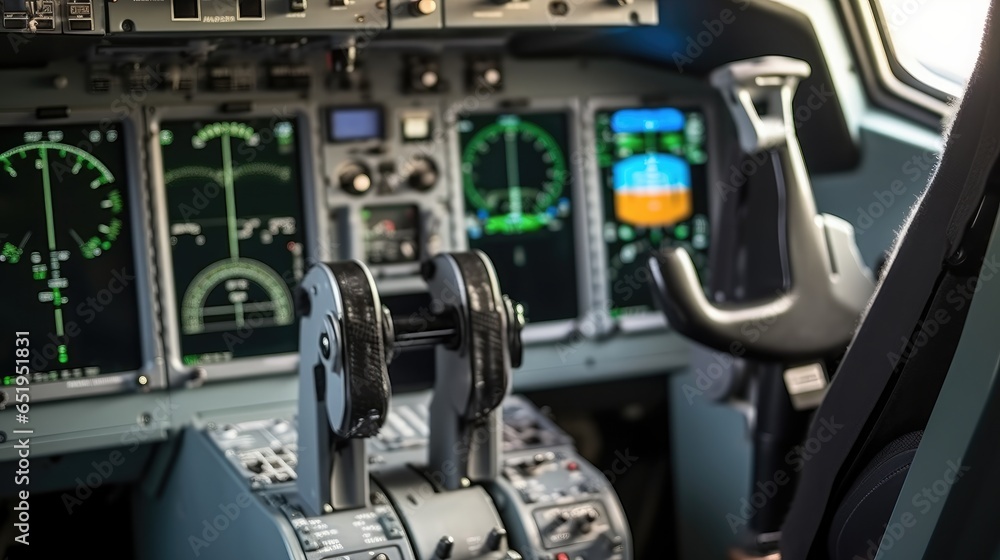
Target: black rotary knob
[445,547]
[422,173]
[355,178]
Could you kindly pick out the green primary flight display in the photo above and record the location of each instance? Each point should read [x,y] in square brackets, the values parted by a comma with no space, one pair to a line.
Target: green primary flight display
[234,203]
[67,266]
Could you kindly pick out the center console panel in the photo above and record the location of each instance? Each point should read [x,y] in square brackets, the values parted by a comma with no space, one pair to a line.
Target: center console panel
[548,497]
[469,473]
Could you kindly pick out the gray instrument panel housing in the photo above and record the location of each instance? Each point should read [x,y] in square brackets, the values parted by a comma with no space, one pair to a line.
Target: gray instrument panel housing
[179,374]
[152,369]
[364,17]
[585,354]
[556,13]
[140,16]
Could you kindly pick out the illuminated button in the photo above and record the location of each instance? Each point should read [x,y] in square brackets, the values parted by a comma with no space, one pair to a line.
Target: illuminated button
[429,79]
[423,7]
[562,556]
[416,127]
[572,466]
[80,10]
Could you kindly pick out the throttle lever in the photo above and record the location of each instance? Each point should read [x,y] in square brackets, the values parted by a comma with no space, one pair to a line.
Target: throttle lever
[830,284]
[346,340]
[343,384]
[473,377]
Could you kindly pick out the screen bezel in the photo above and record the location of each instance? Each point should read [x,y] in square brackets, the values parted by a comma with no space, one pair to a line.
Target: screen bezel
[379,109]
[652,319]
[151,351]
[179,374]
[549,331]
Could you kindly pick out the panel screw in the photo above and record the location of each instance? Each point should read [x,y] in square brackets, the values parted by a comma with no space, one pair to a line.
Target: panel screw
[324,345]
[558,8]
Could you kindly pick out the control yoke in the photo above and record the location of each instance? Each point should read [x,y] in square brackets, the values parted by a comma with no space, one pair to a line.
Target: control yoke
[830,285]
[347,338]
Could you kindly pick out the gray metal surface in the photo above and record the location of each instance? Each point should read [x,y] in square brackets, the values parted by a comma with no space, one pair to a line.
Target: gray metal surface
[555,13]
[465,515]
[193,17]
[138,16]
[202,509]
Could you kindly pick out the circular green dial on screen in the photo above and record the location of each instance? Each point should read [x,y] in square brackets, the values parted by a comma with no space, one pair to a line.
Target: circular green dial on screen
[231,294]
[514,174]
[70,178]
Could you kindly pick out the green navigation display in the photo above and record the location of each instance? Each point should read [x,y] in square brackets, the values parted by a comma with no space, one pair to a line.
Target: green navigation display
[67,268]
[234,203]
[519,207]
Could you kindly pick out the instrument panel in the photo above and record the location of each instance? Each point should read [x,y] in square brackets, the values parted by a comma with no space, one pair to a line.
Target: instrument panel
[74,257]
[653,171]
[519,206]
[222,207]
[234,206]
[67,250]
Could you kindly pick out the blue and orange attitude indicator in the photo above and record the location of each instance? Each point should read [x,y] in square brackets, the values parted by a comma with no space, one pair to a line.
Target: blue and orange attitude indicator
[652,186]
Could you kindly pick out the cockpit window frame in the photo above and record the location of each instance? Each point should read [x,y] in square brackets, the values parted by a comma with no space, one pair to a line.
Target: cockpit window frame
[906,68]
[886,76]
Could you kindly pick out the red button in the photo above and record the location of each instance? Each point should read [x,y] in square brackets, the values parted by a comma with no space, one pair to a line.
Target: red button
[571,466]
[562,556]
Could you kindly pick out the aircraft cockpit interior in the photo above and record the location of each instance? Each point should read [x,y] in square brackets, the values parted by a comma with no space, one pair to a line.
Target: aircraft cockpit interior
[499,279]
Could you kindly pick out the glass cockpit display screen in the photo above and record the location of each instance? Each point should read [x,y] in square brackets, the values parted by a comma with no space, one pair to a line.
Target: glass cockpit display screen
[234,205]
[653,169]
[67,266]
[519,207]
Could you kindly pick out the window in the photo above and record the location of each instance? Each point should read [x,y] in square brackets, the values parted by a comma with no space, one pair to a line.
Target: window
[935,42]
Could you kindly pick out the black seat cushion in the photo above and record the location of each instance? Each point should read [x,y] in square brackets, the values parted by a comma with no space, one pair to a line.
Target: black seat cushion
[859,523]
